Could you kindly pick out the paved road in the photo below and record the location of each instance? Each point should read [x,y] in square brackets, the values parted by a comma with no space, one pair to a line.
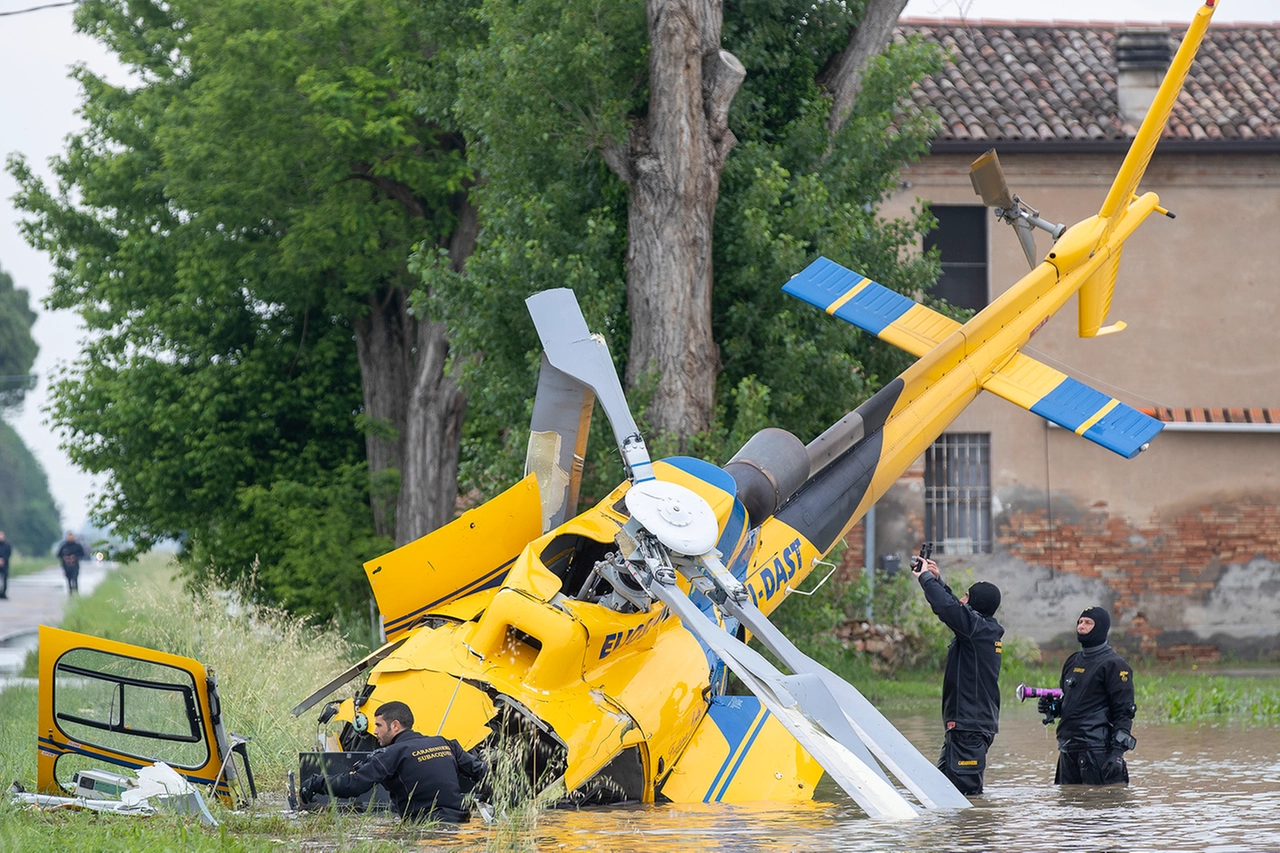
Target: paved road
[34,600]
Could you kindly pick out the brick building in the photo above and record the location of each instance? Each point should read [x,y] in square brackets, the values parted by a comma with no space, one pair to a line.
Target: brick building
[1182,544]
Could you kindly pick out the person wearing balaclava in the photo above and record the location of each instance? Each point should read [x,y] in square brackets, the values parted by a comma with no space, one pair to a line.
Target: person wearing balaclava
[970,683]
[1096,709]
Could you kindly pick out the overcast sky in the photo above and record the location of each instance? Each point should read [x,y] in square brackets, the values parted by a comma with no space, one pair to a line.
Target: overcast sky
[38,105]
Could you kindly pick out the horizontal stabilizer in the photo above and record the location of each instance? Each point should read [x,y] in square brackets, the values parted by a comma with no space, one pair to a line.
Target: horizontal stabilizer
[872,307]
[1071,404]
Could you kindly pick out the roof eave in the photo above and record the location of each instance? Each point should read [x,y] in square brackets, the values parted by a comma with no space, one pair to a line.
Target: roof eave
[1103,146]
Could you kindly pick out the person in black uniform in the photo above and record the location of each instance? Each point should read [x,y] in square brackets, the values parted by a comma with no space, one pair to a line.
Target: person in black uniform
[1096,709]
[69,553]
[6,551]
[970,686]
[420,772]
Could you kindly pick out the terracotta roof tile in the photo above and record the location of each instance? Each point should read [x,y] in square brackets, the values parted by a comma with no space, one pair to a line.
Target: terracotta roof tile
[1012,81]
[1209,415]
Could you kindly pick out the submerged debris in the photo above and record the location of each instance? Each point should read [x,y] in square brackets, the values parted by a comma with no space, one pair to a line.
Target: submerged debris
[157,787]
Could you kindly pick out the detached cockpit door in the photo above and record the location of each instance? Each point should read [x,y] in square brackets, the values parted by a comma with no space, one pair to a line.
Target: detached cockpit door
[103,702]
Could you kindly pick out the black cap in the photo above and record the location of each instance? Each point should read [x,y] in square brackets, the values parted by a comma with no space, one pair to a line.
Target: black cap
[985,598]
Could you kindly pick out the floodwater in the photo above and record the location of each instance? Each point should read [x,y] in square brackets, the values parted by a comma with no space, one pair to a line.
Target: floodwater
[1193,787]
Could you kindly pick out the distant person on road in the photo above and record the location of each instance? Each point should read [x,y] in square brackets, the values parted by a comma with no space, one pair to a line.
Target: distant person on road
[970,684]
[420,772]
[1096,709]
[70,552]
[6,551]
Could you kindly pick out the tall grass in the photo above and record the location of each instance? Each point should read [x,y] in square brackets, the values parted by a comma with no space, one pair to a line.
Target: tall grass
[265,660]
[1194,698]
[20,564]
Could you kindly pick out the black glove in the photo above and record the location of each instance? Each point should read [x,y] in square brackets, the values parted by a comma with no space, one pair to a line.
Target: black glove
[312,785]
[1051,707]
[1124,740]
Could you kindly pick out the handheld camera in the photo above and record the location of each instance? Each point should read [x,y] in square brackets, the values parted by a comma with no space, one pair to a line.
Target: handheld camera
[926,551]
[1023,692]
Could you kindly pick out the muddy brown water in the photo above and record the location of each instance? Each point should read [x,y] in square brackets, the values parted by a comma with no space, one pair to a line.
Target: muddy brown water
[1206,787]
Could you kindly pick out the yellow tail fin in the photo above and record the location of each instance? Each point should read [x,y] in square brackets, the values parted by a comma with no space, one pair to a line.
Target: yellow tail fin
[1144,143]
[1095,299]
[1095,294]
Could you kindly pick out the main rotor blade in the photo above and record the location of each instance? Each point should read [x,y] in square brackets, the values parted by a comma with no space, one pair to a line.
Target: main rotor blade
[571,349]
[558,434]
[853,769]
[893,749]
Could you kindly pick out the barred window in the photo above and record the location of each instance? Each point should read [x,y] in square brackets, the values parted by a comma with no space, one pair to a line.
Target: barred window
[957,493]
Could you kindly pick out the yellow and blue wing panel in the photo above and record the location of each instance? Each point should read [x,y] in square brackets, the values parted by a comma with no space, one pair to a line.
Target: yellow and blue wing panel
[740,753]
[1071,404]
[872,307]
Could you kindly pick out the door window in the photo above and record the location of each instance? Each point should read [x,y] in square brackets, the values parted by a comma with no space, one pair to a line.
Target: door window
[126,705]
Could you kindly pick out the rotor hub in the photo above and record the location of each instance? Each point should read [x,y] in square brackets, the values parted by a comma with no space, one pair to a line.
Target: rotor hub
[679,517]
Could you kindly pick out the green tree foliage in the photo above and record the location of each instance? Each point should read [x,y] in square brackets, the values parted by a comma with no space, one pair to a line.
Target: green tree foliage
[792,193]
[17,348]
[561,81]
[223,227]
[28,515]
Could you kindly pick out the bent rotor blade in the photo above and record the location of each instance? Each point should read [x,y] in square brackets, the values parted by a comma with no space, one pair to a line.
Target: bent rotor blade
[893,749]
[851,765]
[558,434]
[571,349]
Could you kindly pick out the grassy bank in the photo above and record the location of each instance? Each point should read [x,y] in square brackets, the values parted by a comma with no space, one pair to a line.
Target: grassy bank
[21,565]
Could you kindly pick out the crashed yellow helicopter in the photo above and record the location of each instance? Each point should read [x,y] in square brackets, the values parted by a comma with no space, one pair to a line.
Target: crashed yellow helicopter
[608,632]
[606,635]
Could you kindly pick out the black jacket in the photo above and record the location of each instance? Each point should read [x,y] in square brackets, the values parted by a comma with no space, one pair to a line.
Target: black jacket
[970,687]
[1097,700]
[70,553]
[6,551]
[420,772]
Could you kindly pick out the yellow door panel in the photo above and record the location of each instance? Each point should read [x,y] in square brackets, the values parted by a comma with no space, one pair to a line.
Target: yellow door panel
[118,704]
[471,553]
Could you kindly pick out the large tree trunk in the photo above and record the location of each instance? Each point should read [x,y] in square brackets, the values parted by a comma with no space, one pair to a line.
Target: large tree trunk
[414,409]
[672,162]
[415,415]
[843,76]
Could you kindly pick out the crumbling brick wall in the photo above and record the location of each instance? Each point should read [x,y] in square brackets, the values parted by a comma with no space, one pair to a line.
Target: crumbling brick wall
[1177,555]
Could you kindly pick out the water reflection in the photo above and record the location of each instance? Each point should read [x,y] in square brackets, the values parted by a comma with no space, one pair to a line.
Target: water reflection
[1211,788]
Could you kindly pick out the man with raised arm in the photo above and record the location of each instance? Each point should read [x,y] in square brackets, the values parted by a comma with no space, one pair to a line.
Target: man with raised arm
[970,685]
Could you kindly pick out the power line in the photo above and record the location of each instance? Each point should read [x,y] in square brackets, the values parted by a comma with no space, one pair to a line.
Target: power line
[38,8]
